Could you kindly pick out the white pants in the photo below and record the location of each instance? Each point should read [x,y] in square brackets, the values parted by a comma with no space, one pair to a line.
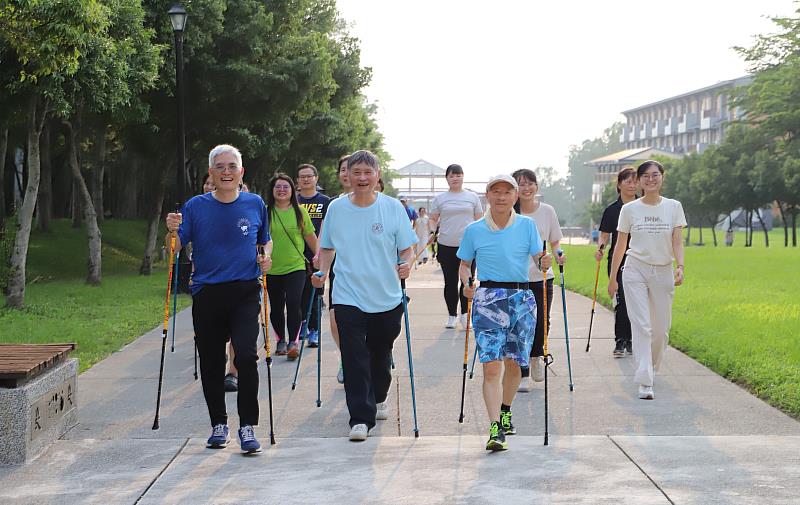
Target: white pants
[422,245]
[648,293]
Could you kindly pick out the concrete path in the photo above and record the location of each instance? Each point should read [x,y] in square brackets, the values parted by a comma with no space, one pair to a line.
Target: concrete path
[702,440]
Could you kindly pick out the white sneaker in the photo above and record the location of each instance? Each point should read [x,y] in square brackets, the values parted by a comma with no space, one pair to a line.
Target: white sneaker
[359,433]
[451,322]
[462,319]
[537,369]
[646,392]
[382,413]
[525,385]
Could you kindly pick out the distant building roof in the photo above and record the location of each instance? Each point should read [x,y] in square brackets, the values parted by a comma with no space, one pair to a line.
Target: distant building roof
[420,168]
[629,155]
[739,81]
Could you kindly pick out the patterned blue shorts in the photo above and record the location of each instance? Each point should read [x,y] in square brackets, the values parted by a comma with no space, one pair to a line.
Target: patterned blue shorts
[504,321]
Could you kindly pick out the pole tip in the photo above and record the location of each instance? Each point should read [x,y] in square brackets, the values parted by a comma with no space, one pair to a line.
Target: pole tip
[155,425]
[416,433]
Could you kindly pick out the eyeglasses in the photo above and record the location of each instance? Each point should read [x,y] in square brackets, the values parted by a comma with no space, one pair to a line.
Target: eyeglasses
[651,177]
[282,186]
[230,168]
[306,176]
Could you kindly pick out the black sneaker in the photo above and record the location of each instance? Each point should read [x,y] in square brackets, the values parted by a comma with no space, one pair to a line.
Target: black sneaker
[497,439]
[231,383]
[505,423]
[619,349]
[629,347]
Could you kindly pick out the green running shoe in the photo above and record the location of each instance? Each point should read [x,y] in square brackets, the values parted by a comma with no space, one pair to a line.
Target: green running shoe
[497,439]
[505,423]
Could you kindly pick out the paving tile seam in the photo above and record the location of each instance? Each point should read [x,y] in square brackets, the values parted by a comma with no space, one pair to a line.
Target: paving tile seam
[611,438]
[155,479]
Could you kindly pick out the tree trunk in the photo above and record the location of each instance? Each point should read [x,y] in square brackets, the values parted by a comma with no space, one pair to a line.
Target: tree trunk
[688,235]
[92,229]
[785,225]
[763,227]
[3,149]
[44,207]
[76,207]
[701,236]
[714,230]
[747,228]
[153,226]
[98,174]
[794,226]
[16,280]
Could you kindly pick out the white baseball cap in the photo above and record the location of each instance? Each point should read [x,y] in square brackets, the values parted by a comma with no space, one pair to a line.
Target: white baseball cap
[501,178]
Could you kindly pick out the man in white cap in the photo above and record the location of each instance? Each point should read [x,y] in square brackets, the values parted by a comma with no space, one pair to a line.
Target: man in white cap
[504,309]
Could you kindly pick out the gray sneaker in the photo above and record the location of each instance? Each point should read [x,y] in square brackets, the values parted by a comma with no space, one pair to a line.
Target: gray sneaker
[280,349]
[359,433]
[382,412]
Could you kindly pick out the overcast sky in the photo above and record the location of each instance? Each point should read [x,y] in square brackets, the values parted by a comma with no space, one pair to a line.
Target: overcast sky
[497,86]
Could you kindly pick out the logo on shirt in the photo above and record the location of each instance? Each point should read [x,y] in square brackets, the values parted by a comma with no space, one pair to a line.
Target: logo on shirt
[244,226]
[377,228]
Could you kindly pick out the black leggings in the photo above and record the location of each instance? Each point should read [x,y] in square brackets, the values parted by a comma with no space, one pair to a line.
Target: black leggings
[452,292]
[285,293]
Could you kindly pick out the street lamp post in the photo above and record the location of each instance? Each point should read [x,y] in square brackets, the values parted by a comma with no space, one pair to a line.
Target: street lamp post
[177,16]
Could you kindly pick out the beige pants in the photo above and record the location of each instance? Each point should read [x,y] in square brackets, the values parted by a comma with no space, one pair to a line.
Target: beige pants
[648,293]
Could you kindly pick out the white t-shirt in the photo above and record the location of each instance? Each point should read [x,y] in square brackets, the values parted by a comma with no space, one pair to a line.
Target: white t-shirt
[549,230]
[421,228]
[650,227]
[456,210]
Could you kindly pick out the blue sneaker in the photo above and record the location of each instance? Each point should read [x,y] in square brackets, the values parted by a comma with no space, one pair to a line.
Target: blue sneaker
[247,439]
[220,437]
[313,338]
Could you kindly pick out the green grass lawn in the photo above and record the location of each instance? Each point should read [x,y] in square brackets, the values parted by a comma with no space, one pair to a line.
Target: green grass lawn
[738,313]
[60,307]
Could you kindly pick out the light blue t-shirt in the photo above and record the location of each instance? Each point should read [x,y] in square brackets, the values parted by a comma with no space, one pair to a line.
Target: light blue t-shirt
[367,240]
[503,255]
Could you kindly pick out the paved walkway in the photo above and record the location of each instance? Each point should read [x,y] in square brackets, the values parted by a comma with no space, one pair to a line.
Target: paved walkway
[703,440]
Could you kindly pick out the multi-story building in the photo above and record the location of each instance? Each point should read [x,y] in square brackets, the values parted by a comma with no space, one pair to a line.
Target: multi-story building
[671,127]
[685,123]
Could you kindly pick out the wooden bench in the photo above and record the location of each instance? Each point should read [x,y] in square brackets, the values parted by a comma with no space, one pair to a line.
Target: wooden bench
[20,363]
[38,398]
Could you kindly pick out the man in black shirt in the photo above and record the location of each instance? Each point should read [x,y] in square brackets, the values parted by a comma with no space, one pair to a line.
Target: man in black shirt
[626,189]
[316,204]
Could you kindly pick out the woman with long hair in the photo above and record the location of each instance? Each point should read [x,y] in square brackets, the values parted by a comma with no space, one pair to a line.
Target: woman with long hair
[423,231]
[290,226]
[451,212]
[627,184]
[654,225]
[547,225]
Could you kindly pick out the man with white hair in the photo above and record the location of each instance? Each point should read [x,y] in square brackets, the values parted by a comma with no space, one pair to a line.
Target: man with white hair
[504,309]
[226,228]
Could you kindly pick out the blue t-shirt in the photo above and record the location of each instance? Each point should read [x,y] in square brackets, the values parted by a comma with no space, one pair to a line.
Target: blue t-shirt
[503,255]
[224,237]
[367,240]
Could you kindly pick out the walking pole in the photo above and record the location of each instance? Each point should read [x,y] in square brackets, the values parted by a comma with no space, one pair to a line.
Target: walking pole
[466,356]
[594,297]
[319,353]
[410,360]
[566,326]
[174,302]
[265,331]
[166,325]
[303,333]
[195,357]
[548,358]
[474,359]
